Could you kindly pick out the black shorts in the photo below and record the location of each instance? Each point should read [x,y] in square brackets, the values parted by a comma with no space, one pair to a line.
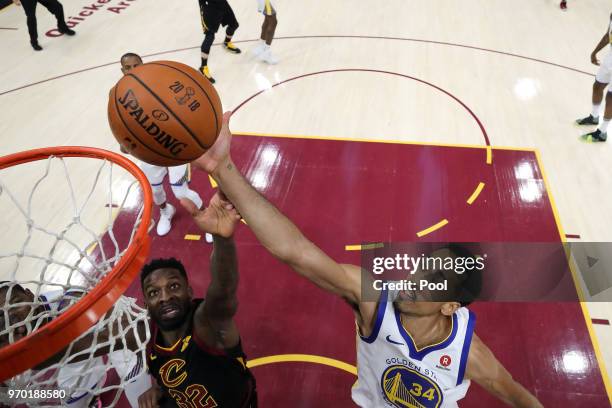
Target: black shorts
[216,13]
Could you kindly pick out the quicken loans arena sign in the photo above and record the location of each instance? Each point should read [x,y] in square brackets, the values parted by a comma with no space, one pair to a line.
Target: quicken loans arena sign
[113,6]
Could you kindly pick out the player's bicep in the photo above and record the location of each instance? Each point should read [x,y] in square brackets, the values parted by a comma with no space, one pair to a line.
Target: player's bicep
[319,268]
[221,302]
[216,331]
[488,372]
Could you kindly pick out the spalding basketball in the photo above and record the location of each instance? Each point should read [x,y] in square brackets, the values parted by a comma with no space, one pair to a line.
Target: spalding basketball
[165,113]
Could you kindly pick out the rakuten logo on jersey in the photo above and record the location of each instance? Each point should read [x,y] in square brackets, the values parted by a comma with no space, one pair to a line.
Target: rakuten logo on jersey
[445,361]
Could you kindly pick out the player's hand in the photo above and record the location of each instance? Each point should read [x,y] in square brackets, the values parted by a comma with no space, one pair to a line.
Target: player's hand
[594,59]
[219,153]
[150,398]
[219,218]
[17,2]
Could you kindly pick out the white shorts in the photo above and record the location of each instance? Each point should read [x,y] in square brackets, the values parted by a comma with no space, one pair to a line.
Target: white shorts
[604,74]
[155,174]
[265,7]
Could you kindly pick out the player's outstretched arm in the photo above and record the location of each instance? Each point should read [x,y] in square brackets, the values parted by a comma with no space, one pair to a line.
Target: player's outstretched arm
[273,230]
[215,317]
[488,372]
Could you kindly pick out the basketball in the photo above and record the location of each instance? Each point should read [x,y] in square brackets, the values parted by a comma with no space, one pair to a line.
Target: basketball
[164,113]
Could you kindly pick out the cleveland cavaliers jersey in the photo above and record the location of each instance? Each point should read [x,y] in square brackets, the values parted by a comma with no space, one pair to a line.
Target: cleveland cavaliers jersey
[393,372]
[196,375]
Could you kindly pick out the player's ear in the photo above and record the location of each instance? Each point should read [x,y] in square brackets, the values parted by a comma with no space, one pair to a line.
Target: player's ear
[449,308]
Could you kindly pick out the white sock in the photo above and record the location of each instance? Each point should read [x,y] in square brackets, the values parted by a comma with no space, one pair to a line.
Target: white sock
[262,43]
[167,210]
[595,111]
[603,126]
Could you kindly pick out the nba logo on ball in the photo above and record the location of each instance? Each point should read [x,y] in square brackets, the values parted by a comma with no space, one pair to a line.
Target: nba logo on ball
[165,113]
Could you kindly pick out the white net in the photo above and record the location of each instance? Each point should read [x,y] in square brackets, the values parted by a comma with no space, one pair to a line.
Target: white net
[66,223]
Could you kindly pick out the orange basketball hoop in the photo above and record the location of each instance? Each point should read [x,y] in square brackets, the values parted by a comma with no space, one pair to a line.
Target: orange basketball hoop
[48,339]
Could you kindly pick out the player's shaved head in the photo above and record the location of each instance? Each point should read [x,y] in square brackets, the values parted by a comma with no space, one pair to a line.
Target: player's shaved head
[5,285]
[463,288]
[129,61]
[162,263]
[14,289]
[18,307]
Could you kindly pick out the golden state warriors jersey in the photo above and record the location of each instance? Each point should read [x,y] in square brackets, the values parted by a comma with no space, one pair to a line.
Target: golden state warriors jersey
[393,372]
[197,376]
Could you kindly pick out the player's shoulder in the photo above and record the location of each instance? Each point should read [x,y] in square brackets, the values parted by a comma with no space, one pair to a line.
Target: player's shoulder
[465,312]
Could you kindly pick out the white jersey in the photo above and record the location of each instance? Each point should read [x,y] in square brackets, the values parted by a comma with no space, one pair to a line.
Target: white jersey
[125,362]
[392,372]
[69,374]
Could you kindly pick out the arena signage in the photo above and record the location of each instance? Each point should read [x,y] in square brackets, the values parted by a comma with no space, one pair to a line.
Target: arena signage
[113,6]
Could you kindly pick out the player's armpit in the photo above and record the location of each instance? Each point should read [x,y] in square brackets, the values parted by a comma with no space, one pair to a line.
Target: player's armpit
[218,334]
[489,373]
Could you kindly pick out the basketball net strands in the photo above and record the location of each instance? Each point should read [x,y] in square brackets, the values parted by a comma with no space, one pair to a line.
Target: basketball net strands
[75,223]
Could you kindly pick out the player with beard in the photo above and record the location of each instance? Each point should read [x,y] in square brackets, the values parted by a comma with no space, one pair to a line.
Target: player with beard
[196,355]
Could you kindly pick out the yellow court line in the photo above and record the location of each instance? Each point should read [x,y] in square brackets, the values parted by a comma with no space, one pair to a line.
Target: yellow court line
[363,247]
[585,311]
[559,226]
[489,155]
[476,193]
[432,228]
[302,358]
[400,142]
[193,237]
[213,183]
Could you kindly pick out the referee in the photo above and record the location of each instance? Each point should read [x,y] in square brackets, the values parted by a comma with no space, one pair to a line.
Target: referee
[54,7]
[216,13]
